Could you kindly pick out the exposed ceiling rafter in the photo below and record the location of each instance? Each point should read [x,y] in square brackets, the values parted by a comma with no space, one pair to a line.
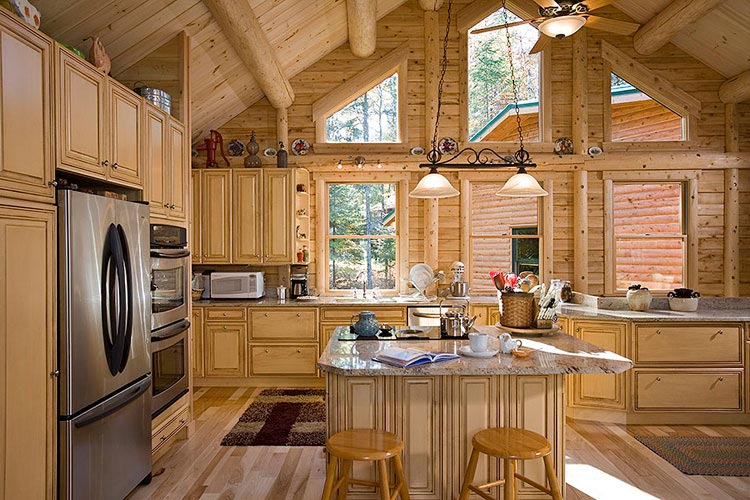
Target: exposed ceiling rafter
[677,16]
[736,89]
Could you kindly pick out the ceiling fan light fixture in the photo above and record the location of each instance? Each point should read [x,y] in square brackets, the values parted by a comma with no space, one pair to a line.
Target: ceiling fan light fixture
[521,185]
[562,26]
[434,185]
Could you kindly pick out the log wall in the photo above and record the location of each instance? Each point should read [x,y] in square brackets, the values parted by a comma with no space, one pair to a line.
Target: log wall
[705,154]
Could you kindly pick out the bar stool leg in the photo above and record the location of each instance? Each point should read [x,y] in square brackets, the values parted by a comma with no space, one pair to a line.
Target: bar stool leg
[330,478]
[471,469]
[509,489]
[554,486]
[346,472]
[401,478]
[385,490]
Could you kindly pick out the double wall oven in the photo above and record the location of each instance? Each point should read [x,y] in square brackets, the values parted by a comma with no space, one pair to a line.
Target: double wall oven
[170,293]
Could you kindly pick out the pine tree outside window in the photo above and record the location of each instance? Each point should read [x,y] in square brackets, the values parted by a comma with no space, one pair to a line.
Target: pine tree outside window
[372,117]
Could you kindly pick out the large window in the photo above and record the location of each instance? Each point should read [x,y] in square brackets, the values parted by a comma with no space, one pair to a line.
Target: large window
[638,117]
[362,239]
[504,234]
[491,114]
[371,117]
[649,237]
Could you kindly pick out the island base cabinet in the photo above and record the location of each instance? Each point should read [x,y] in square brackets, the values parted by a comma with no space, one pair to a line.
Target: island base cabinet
[437,417]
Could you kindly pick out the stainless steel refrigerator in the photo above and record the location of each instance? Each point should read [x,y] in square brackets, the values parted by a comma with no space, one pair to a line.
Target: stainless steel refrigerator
[105,363]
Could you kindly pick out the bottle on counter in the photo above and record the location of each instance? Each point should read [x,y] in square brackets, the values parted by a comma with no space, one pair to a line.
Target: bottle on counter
[566,293]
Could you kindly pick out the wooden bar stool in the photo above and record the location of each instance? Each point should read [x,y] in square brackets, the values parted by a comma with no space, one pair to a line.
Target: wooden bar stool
[510,444]
[368,445]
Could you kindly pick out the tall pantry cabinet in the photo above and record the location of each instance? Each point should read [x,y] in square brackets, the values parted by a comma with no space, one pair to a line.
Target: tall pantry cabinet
[28,280]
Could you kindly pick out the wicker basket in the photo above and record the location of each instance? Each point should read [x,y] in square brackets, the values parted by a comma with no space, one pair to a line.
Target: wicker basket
[517,309]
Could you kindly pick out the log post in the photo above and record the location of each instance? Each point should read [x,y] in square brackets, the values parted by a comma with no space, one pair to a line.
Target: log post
[580,93]
[675,17]
[282,127]
[731,232]
[431,76]
[581,232]
[238,22]
[431,224]
[731,129]
[362,20]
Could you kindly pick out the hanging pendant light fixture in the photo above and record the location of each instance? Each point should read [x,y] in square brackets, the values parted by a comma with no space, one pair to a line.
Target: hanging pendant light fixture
[435,185]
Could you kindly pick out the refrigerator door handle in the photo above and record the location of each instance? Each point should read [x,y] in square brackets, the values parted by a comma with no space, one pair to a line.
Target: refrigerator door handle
[110,314]
[111,406]
[126,299]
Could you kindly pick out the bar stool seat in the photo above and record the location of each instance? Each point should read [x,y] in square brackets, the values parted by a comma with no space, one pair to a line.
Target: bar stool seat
[367,445]
[510,444]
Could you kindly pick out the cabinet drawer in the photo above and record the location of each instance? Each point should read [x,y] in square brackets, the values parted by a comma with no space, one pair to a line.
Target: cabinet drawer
[286,324]
[162,433]
[226,313]
[688,344]
[688,390]
[342,315]
[283,360]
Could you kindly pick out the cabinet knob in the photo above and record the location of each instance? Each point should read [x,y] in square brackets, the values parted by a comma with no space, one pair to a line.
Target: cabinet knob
[720,332]
[224,314]
[115,165]
[299,351]
[265,314]
[658,332]
[721,379]
[257,256]
[578,330]
[54,374]
[166,205]
[163,438]
[52,183]
[205,255]
[105,163]
[172,206]
[266,350]
[182,420]
[224,327]
[299,315]
[658,379]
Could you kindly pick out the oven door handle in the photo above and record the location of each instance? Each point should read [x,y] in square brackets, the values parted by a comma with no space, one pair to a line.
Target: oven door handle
[161,254]
[425,315]
[171,331]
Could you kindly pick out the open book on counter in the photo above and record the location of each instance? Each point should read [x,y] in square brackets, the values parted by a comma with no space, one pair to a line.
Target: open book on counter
[408,357]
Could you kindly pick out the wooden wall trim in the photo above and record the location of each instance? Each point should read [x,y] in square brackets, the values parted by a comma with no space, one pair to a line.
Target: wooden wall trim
[731,232]
[692,234]
[580,232]
[282,127]
[548,232]
[580,97]
[652,175]
[609,238]
[465,229]
[731,128]
[431,232]
[431,73]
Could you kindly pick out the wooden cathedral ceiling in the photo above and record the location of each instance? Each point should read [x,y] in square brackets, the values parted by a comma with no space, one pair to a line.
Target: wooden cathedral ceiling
[303,31]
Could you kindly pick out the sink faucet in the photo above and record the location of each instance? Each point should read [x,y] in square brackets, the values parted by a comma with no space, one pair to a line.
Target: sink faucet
[361,276]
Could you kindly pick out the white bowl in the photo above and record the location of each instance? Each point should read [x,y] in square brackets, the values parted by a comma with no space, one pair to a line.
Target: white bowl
[683,304]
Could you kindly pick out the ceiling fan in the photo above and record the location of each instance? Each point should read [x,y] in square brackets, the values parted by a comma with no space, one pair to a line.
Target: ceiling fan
[561,18]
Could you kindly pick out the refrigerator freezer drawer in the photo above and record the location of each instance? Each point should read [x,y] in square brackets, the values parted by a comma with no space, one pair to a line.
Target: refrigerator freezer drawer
[105,452]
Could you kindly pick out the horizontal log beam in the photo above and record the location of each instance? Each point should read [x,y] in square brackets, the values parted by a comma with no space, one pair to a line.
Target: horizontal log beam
[736,89]
[675,17]
[362,20]
[239,24]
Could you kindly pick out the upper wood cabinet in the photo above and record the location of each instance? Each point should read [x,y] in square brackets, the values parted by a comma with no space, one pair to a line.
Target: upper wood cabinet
[98,123]
[164,152]
[178,169]
[247,241]
[216,231]
[279,239]
[26,165]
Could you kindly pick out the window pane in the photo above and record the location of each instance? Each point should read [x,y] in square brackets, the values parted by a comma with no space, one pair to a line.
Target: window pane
[372,117]
[655,263]
[354,261]
[647,208]
[491,114]
[361,209]
[504,254]
[496,215]
[637,117]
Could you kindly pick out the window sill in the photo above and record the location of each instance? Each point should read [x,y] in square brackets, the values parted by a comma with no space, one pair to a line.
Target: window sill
[361,148]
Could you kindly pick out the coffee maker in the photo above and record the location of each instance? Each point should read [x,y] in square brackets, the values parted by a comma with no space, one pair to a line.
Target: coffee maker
[298,281]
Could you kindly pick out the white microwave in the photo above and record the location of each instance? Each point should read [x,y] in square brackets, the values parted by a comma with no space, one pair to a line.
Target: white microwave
[237,285]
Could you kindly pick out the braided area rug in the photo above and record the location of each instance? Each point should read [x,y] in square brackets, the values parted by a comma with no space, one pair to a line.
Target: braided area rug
[282,417]
[703,455]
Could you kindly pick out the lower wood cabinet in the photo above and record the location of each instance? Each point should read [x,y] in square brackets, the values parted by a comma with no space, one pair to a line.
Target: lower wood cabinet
[266,359]
[226,347]
[282,324]
[688,390]
[170,424]
[196,342]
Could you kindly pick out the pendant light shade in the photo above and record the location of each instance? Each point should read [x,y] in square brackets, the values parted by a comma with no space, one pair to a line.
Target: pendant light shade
[434,185]
[521,185]
[560,27]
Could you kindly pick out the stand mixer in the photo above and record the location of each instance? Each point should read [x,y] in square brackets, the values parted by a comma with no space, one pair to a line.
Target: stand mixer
[459,288]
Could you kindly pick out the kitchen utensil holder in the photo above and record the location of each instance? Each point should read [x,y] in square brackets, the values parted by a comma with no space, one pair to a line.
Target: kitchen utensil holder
[517,309]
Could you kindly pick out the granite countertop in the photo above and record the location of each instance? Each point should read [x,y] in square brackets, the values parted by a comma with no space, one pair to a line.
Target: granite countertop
[321,301]
[578,311]
[556,354]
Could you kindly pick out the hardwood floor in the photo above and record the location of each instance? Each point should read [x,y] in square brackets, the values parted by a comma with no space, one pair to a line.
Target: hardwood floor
[604,461]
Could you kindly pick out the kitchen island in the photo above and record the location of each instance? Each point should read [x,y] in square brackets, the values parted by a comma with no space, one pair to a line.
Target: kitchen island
[437,408]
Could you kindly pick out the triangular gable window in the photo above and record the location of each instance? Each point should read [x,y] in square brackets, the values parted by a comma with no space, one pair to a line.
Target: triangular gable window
[637,117]
[371,117]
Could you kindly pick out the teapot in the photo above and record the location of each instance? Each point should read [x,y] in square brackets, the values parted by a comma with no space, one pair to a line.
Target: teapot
[639,298]
[508,343]
[366,325]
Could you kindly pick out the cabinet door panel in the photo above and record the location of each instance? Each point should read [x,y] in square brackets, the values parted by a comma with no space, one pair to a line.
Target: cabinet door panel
[178,167]
[246,216]
[278,242]
[27,353]
[284,359]
[601,390]
[289,324]
[25,112]
[124,134]
[80,116]
[196,347]
[685,390]
[216,202]
[155,135]
[225,350]
[196,246]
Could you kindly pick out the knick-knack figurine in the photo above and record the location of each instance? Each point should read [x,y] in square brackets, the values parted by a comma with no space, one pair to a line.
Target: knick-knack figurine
[282,157]
[98,56]
[252,159]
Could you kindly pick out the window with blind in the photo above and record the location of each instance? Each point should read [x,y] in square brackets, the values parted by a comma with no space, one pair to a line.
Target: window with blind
[650,235]
[505,234]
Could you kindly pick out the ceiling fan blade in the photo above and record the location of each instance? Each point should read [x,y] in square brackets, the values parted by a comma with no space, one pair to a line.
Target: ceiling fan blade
[541,44]
[546,3]
[596,4]
[500,26]
[604,24]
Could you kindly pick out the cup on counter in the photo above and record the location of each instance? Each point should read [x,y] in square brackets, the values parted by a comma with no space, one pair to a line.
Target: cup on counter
[478,342]
[281,292]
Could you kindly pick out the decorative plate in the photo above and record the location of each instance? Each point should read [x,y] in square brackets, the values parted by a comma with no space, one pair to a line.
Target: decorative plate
[448,146]
[417,151]
[466,351]
[236,147]
[564,146]
[595,150]
[269,152]
[300,147]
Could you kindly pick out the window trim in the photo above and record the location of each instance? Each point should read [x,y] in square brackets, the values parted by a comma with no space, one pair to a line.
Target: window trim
[545,221]
[394,62]
[468,17]
[401,179]
[690,222]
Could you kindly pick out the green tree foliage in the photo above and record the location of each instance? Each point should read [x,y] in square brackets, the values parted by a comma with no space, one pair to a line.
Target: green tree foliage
[372,117]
